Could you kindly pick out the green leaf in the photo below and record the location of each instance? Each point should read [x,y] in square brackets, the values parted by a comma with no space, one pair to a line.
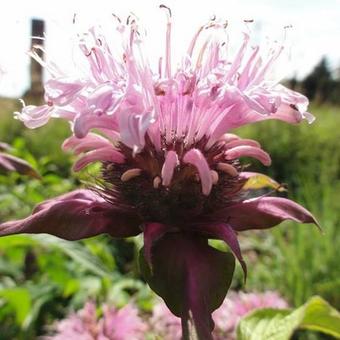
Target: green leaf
[321,316]
[260,181]
[76,251]
[19,299]
[40,294]
[275,324]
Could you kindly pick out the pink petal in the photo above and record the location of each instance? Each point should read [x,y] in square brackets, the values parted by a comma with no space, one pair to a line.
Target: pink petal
[35,116]
[196,158]
[263,101]
[238,58]
[242,142]
[219,127]
[170,163]
[104,154]
[104,99]
[62,91]
[244,78]
[72,217]
[290,113]
[133,127]
[87,121]
[90,142]
[248,151]
[266,212]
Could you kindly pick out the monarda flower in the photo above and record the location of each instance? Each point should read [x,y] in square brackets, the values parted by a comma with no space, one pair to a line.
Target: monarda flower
[170,168]
[122,324]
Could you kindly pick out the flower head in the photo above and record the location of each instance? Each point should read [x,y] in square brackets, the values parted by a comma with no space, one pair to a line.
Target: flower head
[171,168]
[122,324]
[238,305]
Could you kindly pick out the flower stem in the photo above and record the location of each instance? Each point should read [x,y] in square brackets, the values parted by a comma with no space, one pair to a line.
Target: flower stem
[185,328]
[188,329]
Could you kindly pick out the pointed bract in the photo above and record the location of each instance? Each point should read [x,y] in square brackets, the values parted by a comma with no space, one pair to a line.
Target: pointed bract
[266,212]
[73,217]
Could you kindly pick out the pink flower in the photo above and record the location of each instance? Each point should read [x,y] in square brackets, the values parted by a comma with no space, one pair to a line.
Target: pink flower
[170,166]
[122,324]
[164,324]
[238,304]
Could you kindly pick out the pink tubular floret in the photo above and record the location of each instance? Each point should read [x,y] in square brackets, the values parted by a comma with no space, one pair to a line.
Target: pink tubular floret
[208,95]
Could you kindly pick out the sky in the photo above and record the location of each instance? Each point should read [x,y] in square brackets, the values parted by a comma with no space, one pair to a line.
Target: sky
[315,29]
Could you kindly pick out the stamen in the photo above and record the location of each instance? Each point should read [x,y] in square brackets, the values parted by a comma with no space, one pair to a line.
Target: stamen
[228,169]
[129,174]
[117,18]
[166,7]
[168,44]
[286,28]
[201,54]
[160,67]
[214,176]
[194,40]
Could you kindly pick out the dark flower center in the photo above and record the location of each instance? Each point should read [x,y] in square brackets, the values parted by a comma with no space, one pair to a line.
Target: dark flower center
[180,203]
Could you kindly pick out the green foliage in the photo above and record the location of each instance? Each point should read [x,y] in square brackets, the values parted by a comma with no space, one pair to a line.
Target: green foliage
[42,278]
[274,324]
[295,259]
[44,143]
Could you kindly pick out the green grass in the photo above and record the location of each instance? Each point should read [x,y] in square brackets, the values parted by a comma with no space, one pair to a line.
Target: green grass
[297,259]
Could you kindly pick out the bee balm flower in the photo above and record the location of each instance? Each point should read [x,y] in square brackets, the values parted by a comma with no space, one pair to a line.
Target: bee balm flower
[170,166]
[122,324]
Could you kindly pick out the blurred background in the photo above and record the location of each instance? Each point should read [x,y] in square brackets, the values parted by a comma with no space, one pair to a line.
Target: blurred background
[42,278]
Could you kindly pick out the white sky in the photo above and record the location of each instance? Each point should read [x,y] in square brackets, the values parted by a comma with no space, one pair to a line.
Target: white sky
[315,32]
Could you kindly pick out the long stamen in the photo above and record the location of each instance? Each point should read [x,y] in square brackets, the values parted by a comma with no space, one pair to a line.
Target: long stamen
[168,44]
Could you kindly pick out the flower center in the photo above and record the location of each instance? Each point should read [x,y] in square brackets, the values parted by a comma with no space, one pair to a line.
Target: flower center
[137,185]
